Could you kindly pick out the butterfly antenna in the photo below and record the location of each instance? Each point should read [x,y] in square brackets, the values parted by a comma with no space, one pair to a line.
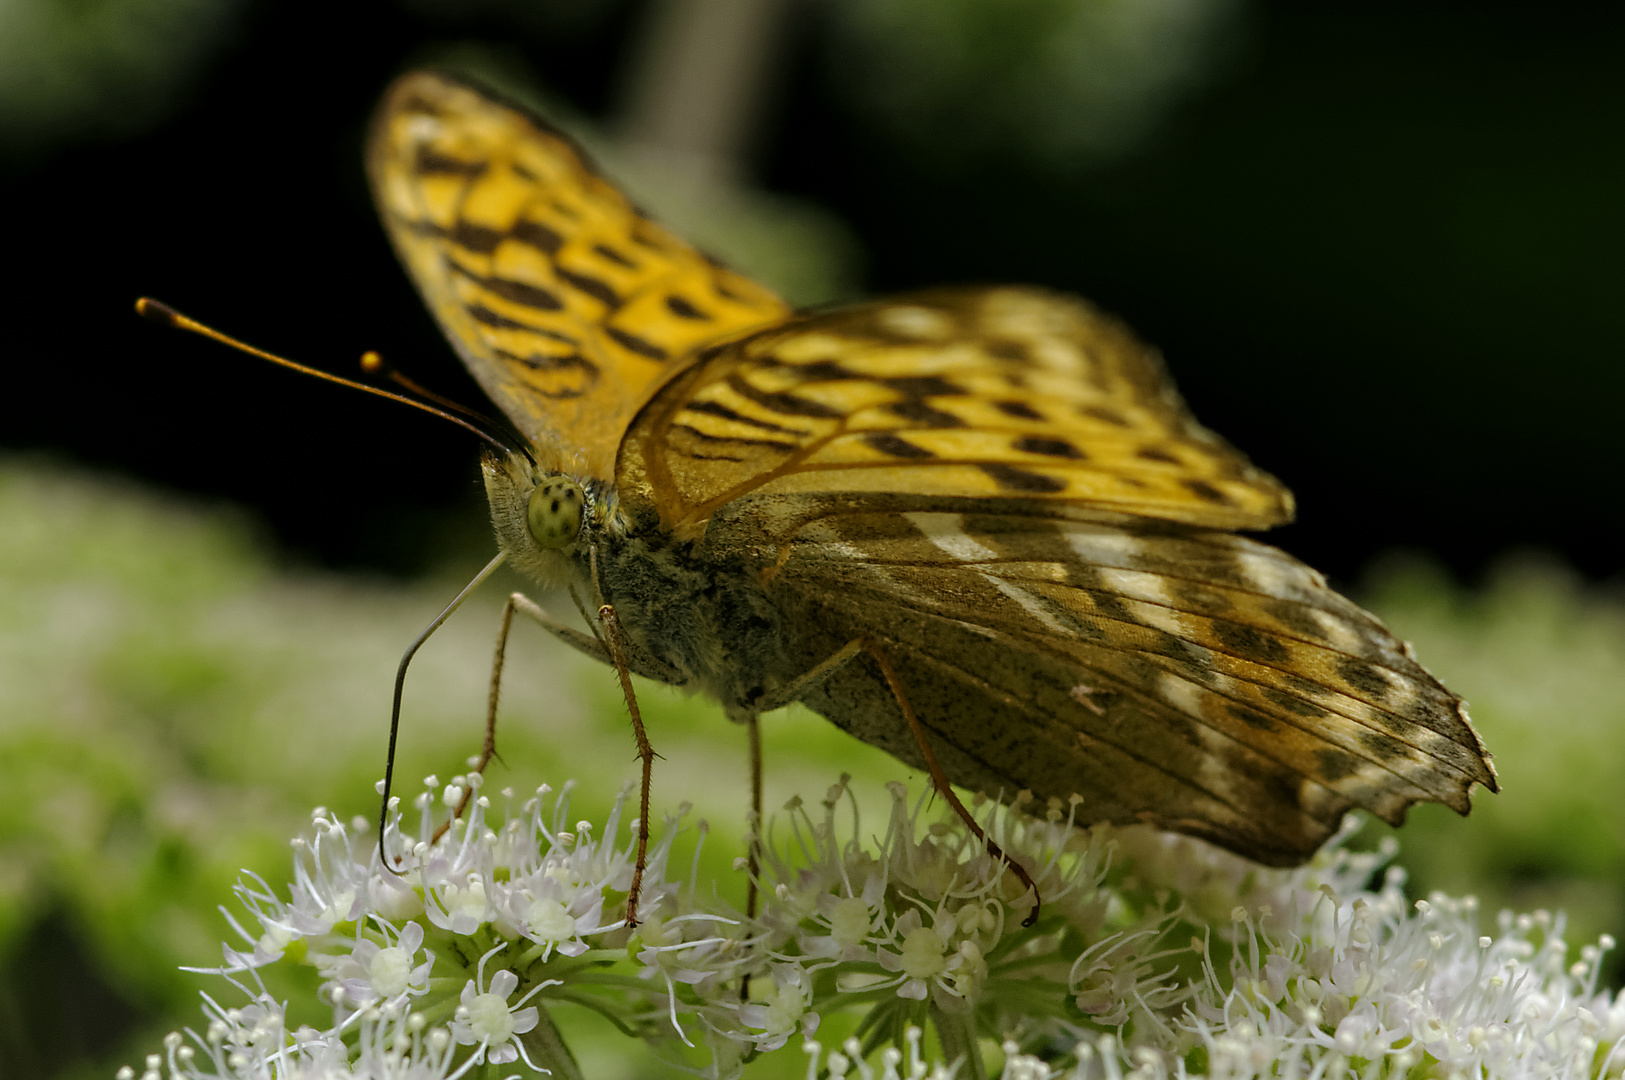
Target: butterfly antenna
[162,313]
[373,363]
[400,690]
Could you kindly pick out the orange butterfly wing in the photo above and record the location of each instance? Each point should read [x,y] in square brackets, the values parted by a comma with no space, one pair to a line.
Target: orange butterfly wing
[563,299]
[993,393]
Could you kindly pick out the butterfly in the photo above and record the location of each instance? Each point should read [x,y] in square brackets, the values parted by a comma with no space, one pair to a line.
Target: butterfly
[975,524]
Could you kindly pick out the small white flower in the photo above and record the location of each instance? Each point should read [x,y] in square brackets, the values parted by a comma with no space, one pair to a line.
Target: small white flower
[372,972]
[920,957]
[782,1010]
[1302,973]
[486,1020]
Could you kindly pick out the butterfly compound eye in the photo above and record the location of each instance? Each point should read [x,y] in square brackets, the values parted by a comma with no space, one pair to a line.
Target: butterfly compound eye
[554,512]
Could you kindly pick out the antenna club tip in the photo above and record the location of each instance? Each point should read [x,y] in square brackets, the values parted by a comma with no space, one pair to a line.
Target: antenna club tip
[372,363]
[157,311]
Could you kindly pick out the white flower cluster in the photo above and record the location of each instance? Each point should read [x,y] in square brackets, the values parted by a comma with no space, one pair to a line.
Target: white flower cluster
[1155,956]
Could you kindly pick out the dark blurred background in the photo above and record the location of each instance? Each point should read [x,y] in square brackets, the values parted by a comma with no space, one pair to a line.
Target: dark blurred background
[1381,244]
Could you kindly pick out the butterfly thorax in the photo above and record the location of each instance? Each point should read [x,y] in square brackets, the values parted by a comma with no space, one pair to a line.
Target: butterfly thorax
[693,616]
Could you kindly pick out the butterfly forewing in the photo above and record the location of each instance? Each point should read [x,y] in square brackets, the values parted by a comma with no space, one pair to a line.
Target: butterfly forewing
[1178,676]
[565,302]
[1012,393]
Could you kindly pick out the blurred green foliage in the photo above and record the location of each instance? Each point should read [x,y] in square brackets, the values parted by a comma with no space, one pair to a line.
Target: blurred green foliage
[71,71]
[173,704]
[1540,657]
[1055,82]
[802,251]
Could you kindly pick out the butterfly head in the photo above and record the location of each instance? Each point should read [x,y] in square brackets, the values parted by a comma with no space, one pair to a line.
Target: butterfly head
[543,517]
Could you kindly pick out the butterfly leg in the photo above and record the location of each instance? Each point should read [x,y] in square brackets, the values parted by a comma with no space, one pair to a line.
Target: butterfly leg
[639,663]
[781,697]
[519,602]
[615,645]
[753,725]
[488,749]
[793,690]
[611,649]
[939,780]
[753,857]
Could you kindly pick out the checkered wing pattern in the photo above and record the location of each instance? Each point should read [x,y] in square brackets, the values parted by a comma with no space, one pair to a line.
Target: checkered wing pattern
[563,299]
[1185,677]
[1000,393]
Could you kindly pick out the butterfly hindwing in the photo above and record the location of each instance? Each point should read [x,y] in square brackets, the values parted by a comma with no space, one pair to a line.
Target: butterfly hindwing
[1167,674]
[1006,393]
[563,299]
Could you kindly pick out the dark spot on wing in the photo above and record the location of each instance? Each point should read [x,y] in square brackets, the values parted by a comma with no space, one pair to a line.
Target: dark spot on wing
[890,444]
[1304,687]
[1363,677]
[635,344]
[515,292]
[591,286]
[1249,642]
[1206,492]
[476,238]
[1290,702]
[1251,717]
[541,362]
[1018,409]
[614,256]
[924,386]
[825,371]
[786,404]
[716,408]
[1108,605]
[1298,618]
[1013,479]
[1100,412]
[538,236]
[486,317]
[1155,453]
[1006,350]
[1048,447]
[684,310]
[770,444]
[1192,596]
[433,163]
[1190,657]
[1385,747]
[917,411]
[523,173]
[1335,764]
[914,408]
[417,103]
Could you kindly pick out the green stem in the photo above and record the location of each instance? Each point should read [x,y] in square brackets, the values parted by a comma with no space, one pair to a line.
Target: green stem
[546,1047]
[957,1034]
